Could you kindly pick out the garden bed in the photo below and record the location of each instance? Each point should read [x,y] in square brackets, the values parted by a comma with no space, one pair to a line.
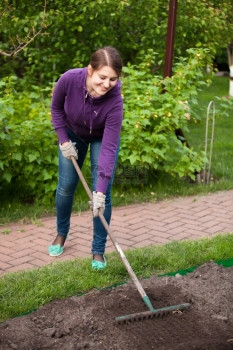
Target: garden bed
[87,321]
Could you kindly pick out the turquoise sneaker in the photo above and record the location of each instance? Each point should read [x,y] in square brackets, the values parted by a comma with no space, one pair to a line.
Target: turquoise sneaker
[55,250]
[99,265]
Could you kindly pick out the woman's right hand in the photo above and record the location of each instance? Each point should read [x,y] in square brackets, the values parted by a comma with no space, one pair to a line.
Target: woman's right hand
[69,150]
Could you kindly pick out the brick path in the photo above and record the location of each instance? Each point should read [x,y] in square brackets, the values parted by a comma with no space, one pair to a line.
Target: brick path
[25,246]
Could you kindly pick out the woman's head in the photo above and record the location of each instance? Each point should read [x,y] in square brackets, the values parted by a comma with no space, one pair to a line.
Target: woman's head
[103,71]
[107,56]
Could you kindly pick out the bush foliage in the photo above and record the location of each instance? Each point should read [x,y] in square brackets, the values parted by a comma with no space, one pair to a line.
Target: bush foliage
[71,32]
[153,109]
[28,155]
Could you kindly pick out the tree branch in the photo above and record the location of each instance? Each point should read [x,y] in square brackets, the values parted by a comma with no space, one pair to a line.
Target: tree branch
[21,44]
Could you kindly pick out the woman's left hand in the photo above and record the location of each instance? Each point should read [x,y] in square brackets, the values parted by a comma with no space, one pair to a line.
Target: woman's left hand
[98,203]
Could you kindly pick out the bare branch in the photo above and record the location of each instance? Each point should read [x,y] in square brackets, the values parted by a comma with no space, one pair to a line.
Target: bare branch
[21,44]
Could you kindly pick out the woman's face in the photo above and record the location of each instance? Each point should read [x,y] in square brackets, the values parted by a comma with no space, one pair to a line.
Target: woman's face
[100,81]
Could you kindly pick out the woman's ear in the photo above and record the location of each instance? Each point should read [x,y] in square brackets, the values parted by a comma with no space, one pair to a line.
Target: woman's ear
[90,70]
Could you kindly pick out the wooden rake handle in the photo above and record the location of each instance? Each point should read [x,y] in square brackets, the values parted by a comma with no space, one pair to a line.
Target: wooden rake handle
[113,239]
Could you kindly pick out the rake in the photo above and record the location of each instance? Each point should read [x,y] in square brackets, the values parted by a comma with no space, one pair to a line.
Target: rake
[152,312]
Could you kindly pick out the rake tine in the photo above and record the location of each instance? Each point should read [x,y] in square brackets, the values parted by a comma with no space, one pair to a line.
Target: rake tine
[141,316]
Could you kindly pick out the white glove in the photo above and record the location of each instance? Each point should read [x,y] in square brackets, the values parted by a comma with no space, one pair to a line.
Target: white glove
[98,203]
[69,149]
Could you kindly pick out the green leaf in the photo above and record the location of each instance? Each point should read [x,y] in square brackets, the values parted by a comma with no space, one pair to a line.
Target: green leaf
[7,176]
[133,158]
[32,157]
[17,156]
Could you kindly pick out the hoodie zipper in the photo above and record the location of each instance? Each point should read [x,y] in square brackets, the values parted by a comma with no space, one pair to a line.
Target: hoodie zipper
[91,112]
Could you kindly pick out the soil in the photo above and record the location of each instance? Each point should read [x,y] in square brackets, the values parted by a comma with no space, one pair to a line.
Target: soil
[88,321]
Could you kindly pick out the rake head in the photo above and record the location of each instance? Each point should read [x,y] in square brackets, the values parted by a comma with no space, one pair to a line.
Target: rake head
[146,315]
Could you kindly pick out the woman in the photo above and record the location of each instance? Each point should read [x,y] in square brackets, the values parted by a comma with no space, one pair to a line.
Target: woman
[87,111]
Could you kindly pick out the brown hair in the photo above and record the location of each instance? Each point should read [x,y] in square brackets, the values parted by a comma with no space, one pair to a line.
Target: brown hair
[107,56]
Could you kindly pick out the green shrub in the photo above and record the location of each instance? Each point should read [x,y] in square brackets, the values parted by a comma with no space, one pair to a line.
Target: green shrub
[28,155]
[154,108]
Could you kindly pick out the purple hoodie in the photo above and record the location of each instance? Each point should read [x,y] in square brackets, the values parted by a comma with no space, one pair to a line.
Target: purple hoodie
[101,117]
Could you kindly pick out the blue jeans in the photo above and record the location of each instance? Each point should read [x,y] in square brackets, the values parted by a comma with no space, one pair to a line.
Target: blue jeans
[67,183]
